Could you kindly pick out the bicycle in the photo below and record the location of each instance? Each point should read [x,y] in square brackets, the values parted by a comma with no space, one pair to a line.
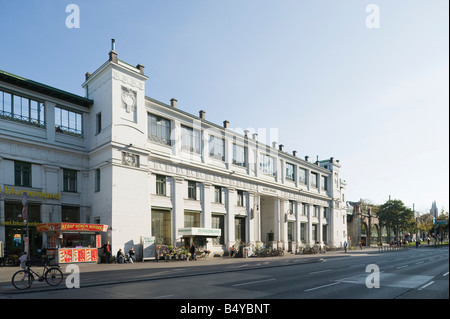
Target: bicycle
[24,278]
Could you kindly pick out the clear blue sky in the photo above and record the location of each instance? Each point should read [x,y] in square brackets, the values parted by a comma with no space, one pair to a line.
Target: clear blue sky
[377,99]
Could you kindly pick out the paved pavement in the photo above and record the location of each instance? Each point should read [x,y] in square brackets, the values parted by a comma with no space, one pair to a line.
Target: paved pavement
[105,274]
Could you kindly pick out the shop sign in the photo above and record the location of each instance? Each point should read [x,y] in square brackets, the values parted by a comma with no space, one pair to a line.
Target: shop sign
[17,223]
[11,190]
[71,227]
[196,231]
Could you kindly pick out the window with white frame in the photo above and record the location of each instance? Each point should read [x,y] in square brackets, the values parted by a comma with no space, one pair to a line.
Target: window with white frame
[159,129]
[217,147]
[21,109]
[267,164]
[68,122]
[190,139]
[239,155]
[302,176]
[314,180]
[290,172]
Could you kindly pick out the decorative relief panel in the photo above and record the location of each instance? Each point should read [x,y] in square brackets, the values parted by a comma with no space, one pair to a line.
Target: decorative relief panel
[130,159]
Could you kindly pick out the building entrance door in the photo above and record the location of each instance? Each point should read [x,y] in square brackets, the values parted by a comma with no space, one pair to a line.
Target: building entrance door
[239,229]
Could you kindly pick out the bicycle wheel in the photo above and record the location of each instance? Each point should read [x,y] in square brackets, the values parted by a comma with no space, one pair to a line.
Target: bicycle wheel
[22,279]
[53,276]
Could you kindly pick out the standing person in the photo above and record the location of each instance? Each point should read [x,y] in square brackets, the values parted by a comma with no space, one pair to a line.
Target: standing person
[192,251]
[132,254]
[232,251]
[120,256]
[345,246]
[107,250]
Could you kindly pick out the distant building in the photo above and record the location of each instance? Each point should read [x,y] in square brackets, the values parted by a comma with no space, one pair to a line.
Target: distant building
[434,210]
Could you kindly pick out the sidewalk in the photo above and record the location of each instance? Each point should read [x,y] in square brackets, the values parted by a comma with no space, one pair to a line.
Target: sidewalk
[106,274]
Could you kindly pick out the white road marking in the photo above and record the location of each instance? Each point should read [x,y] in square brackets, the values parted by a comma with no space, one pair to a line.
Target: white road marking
[318,272]
[324,286]
[253,282]
[431,282]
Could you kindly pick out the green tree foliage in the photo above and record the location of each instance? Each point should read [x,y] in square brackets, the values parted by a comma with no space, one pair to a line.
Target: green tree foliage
[396,216]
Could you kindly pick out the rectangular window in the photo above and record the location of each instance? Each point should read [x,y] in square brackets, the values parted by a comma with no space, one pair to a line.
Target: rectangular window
[13,212]
[190,139]
[240,198]
[291,207]
[304,208]
[217,194]
[159,129]
[97,180]
[314,233]
[161,227]
[314,180]
[68,122]
[160,185]
[290,172]
[240,155]
[217,148]
[21,109]
[70,214]
[191,219]
[303,232]
[324,212]
[267,164]
[98,123]
[302,176]
[192,190]
[315,211]
[218,222]
[69,180]
[324,183]
[22,174]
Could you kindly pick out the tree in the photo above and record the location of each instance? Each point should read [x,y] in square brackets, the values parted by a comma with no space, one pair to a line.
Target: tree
[396,217]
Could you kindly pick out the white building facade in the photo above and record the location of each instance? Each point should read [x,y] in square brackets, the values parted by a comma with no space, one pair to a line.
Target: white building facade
[146,168]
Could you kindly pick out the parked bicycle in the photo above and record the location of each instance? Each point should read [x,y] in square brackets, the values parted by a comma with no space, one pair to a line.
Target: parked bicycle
[24,278]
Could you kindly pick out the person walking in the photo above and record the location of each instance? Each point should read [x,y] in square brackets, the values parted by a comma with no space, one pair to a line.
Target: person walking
[107,250]
[192,251]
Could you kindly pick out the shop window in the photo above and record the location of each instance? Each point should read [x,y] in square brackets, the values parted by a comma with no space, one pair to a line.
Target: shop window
[218,222]
[161,227]
[13,212]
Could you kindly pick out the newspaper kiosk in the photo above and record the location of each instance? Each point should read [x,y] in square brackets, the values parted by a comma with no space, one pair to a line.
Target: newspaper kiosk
[72,242]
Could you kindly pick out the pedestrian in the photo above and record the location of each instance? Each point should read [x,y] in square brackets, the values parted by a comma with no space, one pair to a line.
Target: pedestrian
[107,251]
[232,251]
[120,258]
[132,255]
[192,251]
[345,246]
[360,245]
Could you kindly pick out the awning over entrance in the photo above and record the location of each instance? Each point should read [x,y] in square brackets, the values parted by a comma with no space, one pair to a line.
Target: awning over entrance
[199,231]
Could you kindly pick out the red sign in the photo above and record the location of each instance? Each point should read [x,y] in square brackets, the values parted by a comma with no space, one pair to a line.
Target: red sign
[71,227]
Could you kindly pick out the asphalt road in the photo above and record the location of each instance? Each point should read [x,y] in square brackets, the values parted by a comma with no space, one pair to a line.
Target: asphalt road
[410,274]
